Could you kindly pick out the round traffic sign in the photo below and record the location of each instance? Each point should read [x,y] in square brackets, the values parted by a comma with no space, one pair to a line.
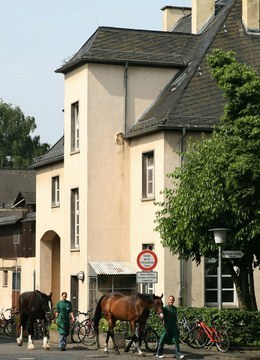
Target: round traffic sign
[147,260]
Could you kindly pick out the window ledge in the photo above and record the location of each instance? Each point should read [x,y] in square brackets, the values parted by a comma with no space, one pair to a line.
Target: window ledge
[75,250]
[75,152]
[148,199]
[55,205]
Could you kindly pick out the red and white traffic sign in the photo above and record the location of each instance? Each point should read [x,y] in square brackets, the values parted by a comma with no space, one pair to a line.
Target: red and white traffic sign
[147,260]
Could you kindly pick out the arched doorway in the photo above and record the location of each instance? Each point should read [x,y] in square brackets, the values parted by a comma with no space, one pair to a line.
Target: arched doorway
[50,264]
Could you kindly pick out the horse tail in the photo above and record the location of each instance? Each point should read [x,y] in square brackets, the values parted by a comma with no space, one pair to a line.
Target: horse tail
[97,314]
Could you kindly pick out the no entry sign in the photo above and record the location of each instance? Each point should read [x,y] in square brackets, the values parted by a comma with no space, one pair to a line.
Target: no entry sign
[147,260]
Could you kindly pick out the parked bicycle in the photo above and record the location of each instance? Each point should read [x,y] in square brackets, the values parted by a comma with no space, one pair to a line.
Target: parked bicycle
[150,337]
[83,326]
[7,321]
[203,335]
[185,327]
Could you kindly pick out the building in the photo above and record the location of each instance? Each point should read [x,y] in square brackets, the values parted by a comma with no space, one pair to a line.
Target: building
[17,234]
[132,99]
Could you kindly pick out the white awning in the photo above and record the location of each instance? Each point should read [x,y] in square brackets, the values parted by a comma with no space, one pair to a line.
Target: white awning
[112,268]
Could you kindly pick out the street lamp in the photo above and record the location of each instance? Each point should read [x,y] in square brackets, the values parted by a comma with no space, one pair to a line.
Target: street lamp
[220,235]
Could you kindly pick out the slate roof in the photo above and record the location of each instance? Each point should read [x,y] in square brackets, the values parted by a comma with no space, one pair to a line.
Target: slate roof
[55,154]
[13,182]
[137,47]
[192,98]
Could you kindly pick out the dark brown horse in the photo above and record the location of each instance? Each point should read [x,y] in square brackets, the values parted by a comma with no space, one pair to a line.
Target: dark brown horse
[134,308]
[34,305]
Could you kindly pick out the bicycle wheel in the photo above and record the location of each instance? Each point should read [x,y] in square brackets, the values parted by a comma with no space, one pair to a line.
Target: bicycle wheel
[197,338]
[8,327]
[184,330]
[151,339]
[222,340]
[89,325]
[74,332]
[84,336]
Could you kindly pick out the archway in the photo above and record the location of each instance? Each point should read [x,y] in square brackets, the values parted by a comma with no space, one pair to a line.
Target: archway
[50,264]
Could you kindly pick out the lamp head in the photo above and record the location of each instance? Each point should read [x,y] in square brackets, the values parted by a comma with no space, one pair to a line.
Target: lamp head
[220,235]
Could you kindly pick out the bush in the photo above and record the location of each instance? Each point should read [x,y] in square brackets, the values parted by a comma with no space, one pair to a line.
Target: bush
[242,326]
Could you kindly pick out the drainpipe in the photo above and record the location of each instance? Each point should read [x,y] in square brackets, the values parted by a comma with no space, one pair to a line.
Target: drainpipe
[125,95]
[181,263]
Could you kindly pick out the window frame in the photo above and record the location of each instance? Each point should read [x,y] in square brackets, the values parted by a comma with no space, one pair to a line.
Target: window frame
[5,278]
[55,191]
[75,136]
[75,223]
[148,175]
[224,276]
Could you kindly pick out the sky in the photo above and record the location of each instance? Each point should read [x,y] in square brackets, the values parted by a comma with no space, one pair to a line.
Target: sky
[37,35]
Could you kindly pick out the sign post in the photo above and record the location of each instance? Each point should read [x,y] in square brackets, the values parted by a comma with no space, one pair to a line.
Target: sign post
[147,260]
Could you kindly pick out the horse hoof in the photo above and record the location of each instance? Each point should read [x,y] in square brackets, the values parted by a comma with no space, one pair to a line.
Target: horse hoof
[117,352]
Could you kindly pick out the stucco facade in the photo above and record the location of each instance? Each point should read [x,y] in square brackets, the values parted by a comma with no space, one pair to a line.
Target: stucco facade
[129,103]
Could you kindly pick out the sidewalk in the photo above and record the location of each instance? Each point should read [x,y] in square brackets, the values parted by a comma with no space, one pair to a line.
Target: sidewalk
[214,354]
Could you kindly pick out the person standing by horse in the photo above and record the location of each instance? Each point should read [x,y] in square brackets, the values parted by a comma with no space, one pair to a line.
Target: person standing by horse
[170,335]
[63,316]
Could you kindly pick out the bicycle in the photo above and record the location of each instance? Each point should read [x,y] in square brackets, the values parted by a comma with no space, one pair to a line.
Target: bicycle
[7,322]
[185,327]
[82,329]
[86,330]
[150,337]
[202,335]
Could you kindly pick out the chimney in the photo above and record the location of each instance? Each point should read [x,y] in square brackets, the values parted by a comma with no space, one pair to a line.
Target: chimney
[202,12]
[172,14]
[251,15]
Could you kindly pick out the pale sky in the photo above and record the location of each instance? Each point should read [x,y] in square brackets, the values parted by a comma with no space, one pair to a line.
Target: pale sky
[37,35]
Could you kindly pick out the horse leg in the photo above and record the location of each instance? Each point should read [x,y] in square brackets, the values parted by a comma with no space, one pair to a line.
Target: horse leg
[112,334]
[30,345]
[45,344]
[19,339]
[138,339]
[106,342]
[20,327]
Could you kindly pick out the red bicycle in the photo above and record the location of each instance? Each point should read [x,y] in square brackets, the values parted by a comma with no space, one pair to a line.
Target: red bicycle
[203,335]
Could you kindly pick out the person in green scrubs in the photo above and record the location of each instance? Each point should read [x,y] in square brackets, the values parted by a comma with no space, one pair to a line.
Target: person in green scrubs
[170,334]
[63,316]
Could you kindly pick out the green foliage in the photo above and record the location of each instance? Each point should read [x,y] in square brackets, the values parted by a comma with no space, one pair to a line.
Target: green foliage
[242,326]
[17,146]
[219,182]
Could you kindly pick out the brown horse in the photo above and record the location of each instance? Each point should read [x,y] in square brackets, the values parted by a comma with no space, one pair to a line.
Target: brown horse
[34,305]
[134,308]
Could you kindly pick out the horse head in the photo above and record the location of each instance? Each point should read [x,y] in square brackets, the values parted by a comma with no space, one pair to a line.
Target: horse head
[158,305]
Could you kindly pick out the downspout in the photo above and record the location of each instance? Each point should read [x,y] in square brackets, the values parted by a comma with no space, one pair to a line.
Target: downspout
[125,96]
[181,262]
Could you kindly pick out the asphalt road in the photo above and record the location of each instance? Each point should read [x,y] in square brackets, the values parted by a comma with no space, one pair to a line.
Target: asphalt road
[9,350]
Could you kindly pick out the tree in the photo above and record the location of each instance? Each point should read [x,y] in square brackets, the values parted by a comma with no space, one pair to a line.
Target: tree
[17,147]
[219,182]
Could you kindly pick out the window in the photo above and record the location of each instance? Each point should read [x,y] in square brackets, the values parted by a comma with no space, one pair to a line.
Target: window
[16,280]
[74,219]
[147,288]
[16,236]
[5,278]
[55,191]
[148,175]
[211,285]
[75,126]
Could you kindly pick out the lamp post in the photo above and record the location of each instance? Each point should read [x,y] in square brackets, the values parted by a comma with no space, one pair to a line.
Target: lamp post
[220,235]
